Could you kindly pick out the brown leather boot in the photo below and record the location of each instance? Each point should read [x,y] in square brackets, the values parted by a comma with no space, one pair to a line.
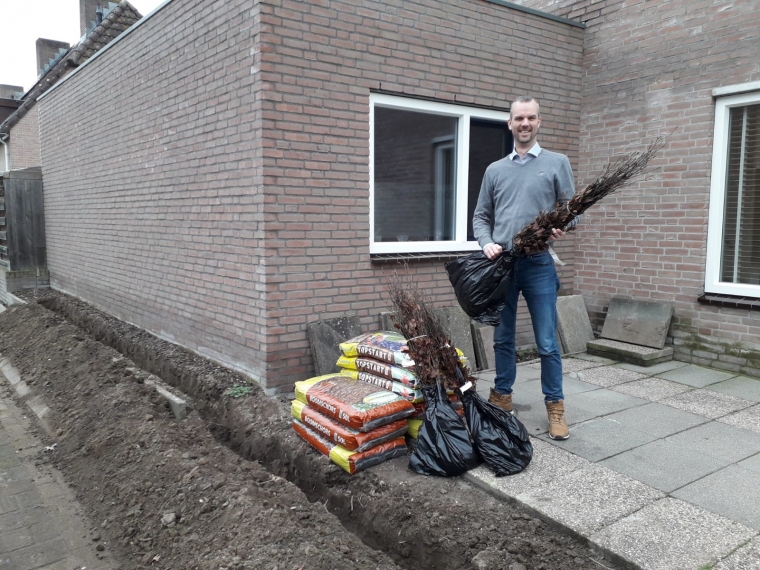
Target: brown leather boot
[557,427]
[504,401]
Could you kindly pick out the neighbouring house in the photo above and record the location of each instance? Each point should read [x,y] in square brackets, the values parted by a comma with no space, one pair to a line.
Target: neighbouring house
[271,163]
[9,96]
[19,130]
[225,196]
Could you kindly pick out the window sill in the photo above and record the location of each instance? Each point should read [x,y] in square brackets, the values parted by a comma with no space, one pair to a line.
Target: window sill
[437,255]
[730,301]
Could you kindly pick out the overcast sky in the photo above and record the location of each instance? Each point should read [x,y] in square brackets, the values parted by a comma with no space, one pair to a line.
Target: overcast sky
[26,20]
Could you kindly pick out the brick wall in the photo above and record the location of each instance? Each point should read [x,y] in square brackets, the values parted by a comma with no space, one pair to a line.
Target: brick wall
[234,207]
[153,199]
[24,141]
[649,70]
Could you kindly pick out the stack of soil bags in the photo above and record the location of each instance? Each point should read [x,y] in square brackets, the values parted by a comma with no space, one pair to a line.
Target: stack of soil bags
[356,424]
[381,358]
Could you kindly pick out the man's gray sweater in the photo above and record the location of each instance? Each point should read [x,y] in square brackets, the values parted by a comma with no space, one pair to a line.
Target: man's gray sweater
[513,194]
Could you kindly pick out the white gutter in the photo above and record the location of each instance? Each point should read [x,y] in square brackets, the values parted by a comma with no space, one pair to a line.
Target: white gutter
[3,138]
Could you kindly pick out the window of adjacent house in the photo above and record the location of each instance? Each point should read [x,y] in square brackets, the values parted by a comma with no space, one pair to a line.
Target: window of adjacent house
[427,162]
[733,251]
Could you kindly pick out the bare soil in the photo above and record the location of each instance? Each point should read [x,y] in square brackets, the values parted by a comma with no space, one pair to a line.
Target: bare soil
[231,486]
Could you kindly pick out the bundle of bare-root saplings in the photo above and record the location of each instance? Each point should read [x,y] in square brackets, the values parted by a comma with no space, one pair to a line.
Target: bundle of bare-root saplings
[449,444]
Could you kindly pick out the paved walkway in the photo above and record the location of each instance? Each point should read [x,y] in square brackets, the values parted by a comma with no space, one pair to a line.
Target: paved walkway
[662,468]
[40,521]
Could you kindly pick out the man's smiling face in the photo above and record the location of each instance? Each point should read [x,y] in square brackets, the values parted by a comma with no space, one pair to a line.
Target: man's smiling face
[524,122]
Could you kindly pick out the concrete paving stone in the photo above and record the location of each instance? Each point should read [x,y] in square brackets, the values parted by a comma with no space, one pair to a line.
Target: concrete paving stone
[589,499]
[656,420]
[549,462]
[39,554]
[595,403]
[731,492]
[16,488]
[719,440]
[11,540]
[22,389]
[746,557]
[639,322]
[600,438]
[571,385]
[607,376]
[696,376]
[8,505]
[17,518]
[748,418]
[653,389]
[696,537]
[740,386]
[9,456]
[664,465]
[531,412]
[530,391]
[573,324]
[10,372]
[594,358]
[577,364]
[707,403]
[751,463]
[526,373]
[651,370]
[14,474]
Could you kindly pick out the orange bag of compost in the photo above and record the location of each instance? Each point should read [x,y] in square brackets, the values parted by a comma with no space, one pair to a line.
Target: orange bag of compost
[352,461]
[351,439]
[355,404]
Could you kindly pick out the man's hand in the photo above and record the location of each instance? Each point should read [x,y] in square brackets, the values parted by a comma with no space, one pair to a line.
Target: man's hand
[556,234]
[492,250]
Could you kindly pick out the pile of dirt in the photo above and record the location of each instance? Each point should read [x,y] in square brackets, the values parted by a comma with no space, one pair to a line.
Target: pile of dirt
[231,486]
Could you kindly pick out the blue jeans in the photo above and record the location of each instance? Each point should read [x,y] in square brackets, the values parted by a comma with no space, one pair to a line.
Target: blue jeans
[537,279]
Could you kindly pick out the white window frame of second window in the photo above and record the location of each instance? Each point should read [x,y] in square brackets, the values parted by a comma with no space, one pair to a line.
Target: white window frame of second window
[723,106]
[463,114]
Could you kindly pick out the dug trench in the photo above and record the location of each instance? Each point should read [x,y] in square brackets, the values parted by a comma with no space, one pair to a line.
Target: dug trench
[231,486]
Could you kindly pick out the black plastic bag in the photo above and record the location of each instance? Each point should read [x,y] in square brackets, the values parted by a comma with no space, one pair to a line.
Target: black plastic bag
[500,438]
[480,284]
[443,444]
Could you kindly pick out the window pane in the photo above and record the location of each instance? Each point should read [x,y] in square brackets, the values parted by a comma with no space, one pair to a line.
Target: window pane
[414,176]
[741,234]
[489,141]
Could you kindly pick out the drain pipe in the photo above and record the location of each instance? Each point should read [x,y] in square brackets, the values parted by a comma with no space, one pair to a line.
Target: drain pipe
[3,138]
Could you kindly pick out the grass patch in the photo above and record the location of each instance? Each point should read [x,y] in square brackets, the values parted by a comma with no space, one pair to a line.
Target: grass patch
[238,391]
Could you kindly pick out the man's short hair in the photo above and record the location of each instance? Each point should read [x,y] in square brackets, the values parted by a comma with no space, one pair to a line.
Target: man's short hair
[524,99]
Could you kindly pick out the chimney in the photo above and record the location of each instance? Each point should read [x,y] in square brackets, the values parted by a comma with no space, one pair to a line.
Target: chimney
[47,50]
[89,12]
[11,91]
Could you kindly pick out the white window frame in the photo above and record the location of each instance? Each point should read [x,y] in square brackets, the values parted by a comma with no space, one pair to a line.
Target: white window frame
[463,114]
[713,284]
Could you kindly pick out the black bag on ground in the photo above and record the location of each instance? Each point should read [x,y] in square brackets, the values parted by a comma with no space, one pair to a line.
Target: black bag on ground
[443,444]
[500,438]
[480,284]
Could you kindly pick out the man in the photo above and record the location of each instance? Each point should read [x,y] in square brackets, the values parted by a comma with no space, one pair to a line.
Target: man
[515,190]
